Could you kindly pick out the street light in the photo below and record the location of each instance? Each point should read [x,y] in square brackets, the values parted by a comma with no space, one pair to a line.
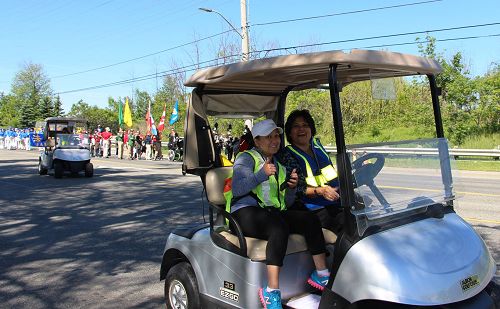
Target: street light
[243,34]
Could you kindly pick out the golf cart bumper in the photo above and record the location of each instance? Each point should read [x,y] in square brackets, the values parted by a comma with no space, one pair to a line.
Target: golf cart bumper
[426,263]
[72,155]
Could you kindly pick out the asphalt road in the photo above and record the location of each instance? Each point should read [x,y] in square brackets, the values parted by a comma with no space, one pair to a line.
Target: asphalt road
[97,242]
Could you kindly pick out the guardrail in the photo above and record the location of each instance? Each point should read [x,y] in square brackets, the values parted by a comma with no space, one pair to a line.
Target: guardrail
[456,152]
[493,153]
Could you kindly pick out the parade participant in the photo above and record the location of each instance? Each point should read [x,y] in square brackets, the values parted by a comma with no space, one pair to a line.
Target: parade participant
[318,183]
[106,141]
[119,143]
[147,142]
[261,197]
[97,147]
[2,138]
[130,143]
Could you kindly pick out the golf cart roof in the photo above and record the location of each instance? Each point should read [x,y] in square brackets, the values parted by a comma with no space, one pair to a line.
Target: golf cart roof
[64,119]
[304,71]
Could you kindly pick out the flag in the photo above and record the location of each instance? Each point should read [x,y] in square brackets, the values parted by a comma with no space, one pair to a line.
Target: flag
[148,118]
[37,139]
[120,114]
[175,113]
[161,125]
[127,115]
[153,127]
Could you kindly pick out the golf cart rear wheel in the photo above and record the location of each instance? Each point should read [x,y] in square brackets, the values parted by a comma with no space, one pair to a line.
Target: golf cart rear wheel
[41,169]
[89,170]
[181,288]
[58,169]
[171,155]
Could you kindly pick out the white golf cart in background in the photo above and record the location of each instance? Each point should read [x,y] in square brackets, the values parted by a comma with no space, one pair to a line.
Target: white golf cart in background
[402,244]
[67,147]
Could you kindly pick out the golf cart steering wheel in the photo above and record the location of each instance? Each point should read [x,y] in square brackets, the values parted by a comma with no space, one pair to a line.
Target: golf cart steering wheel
[364,173]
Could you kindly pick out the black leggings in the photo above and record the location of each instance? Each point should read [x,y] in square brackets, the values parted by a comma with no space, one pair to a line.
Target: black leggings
[275,226]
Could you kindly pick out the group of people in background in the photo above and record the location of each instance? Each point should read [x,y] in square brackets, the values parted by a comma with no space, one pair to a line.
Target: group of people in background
[130,144]
[14,138]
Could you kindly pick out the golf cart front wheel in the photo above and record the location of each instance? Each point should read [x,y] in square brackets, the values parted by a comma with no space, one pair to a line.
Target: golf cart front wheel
[181,288]
[41,169]
[89,170]
[171,155]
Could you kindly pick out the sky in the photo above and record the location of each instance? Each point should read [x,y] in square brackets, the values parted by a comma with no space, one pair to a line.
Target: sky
[84,44]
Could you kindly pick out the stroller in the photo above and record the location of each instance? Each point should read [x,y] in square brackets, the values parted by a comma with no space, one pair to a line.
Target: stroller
[176,150]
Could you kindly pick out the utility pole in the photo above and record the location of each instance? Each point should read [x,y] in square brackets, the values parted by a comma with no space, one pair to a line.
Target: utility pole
[245,45]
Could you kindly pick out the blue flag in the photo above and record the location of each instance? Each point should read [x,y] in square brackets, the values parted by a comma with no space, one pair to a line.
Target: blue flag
[175,113]
[37,140]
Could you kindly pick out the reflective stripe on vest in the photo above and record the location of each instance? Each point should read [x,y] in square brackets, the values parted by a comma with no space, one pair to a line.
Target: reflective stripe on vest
[327,173]
[268,191]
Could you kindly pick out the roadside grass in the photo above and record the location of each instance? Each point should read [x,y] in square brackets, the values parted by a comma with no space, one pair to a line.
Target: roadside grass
[461,164]
[490,141]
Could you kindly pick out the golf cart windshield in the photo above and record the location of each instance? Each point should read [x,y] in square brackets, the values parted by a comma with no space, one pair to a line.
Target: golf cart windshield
[77,141]
[67,133]
[399,179]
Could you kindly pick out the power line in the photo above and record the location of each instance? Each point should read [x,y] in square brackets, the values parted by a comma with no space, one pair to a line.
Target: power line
[387,36]
[145,56]
[196,66]
[343,13]
[250,25]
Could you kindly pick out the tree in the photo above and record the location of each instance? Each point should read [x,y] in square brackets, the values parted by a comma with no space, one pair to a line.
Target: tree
[9,111]
[46,108]
[94,115]
[142,100]
[57,110]
[30,85]
[28,111]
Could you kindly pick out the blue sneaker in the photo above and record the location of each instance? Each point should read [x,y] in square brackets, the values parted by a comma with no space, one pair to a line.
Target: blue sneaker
[317,281]
[270,300]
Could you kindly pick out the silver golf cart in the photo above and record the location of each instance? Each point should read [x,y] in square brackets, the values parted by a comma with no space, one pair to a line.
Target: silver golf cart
[402,244]
[67,147]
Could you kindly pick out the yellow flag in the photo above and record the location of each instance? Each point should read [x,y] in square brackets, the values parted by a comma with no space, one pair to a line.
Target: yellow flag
[127,116]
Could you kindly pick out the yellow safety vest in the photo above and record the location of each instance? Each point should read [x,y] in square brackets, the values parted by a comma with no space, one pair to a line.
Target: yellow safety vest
[267,192]
[327,173]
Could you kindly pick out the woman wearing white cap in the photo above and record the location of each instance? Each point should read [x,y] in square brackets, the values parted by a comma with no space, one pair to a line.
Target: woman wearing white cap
[261,194]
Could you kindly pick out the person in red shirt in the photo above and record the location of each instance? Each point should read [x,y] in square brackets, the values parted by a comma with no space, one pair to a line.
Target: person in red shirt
[97,147]
[106,141]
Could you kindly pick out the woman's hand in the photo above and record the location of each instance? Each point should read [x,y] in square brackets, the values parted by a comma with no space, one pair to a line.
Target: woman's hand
[294,179]
[269,167]
[329,193]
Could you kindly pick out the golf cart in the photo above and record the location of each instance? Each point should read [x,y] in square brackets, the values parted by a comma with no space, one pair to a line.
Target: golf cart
[67,147]
[402,244]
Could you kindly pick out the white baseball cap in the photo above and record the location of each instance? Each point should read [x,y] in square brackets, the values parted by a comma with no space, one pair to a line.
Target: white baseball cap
[264,128]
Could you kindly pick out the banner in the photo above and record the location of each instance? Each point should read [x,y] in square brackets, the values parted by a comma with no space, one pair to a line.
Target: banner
[120,114]
[127,116]
[175,113]
[161,125]
[37,139]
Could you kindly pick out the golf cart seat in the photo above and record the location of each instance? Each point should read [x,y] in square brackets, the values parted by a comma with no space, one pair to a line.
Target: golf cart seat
[256,248]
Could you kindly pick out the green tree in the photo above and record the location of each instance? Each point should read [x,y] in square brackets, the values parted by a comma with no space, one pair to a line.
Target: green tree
[94,115]
[487,113]
[142,100]
[30,85]
[28,111]
[57,110]
[10,113]
[459,96]
[46,108]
